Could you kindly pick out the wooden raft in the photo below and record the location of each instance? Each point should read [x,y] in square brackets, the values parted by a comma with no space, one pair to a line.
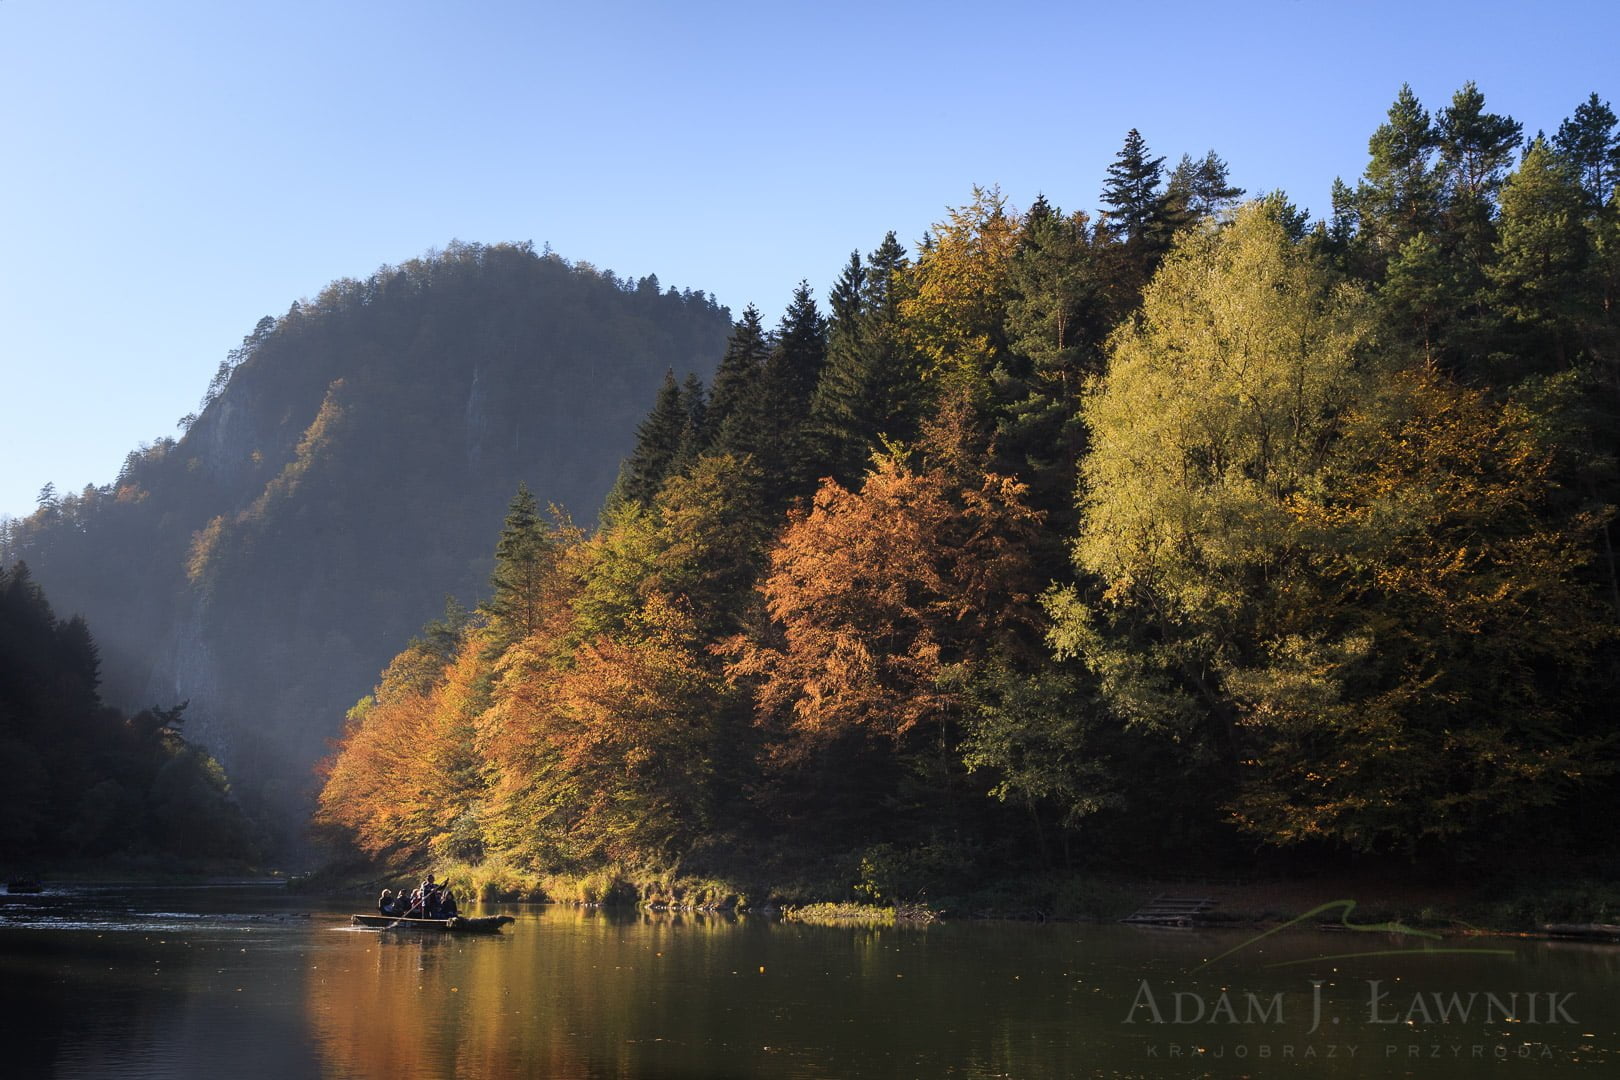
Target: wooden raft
[1171,911]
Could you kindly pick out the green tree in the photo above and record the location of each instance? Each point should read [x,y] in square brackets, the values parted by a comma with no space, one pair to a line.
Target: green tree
[770,424]
[1590,142]
[746,352]
[1398,196]
[1133,192]
[526,561]
[1540,273]
[1476,150]
[1199,189]
[1293,535]
[1063,303]
[659,440]
[869,388]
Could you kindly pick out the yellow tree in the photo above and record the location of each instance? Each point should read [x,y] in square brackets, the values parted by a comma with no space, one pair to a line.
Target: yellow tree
[405,780]
[1299,547]
[956,311]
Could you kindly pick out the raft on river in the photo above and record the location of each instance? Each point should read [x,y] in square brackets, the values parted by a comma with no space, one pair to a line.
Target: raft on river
[489,924]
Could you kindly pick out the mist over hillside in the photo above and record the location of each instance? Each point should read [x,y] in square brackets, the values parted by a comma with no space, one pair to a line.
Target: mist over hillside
[347,471]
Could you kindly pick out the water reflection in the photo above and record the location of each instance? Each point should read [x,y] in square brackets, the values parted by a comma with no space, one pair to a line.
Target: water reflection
[571,993]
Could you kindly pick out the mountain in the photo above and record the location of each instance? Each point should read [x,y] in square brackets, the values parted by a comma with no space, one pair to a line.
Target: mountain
[348,470]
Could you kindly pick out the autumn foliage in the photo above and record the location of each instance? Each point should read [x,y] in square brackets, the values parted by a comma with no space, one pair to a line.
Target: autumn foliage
[1305,552]
[875,593]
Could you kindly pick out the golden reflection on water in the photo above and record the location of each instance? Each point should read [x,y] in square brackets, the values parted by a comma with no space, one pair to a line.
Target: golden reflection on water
[573,993]
[562,992]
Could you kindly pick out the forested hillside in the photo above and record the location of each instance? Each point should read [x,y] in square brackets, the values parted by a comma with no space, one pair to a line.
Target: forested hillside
[1188,530]
[342,476]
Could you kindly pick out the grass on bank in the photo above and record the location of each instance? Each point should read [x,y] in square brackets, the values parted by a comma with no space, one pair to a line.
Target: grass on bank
[1502,906]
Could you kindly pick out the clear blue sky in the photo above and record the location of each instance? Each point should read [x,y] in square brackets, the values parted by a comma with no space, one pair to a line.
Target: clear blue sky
[171,170]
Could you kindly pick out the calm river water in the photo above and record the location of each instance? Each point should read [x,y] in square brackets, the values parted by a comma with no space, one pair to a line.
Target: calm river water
[250,982]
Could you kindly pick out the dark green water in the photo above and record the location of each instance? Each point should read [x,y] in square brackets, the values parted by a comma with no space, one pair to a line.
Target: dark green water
[252,983]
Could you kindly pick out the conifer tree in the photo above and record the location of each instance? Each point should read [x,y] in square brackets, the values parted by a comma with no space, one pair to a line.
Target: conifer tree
[1475,147]
[1138,213]
[1198,189]
[1399,193]
[693,397]
[1476,150]
[869,387]
[524,558]
[658,444]
[1539,276]
[1590,141]
[740,367]
[1062,308]
[768,424]
[1132,192]
[801,349]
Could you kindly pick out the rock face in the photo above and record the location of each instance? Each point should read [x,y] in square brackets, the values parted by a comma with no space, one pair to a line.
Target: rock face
[351,472]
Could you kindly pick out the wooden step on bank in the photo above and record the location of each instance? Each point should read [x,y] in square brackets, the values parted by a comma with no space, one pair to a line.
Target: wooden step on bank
[1172,911]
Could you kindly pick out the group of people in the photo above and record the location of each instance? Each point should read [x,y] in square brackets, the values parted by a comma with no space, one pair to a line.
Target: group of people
[431,900]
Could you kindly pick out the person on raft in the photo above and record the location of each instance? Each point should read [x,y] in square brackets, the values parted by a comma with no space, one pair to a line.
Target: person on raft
[431,900]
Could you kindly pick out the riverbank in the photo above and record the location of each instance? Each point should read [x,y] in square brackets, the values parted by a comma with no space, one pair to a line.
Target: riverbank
[1502,906]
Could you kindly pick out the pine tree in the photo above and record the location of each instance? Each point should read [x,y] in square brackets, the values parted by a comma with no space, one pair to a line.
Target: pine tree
[1476,150]
[1590,141]
[1199,189]
[1540,275]
[1399,193]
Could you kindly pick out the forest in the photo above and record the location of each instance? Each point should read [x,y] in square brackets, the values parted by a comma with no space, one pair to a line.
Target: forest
[1188,533]
[344,471]
[84,781]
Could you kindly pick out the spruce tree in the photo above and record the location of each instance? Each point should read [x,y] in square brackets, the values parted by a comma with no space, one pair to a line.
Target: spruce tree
[869,388]
[1064,304]
[523,558]
[658,444]
[769,423]
[1138,213]
[740,367]
[1132,192]
[694,399]
[801,350]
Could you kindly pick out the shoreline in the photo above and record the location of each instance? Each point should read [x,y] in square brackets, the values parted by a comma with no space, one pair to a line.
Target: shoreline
[1576,909]
[1252,906]
[1501,907]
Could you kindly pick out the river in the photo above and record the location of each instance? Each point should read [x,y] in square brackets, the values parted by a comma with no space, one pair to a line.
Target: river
[248,982]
